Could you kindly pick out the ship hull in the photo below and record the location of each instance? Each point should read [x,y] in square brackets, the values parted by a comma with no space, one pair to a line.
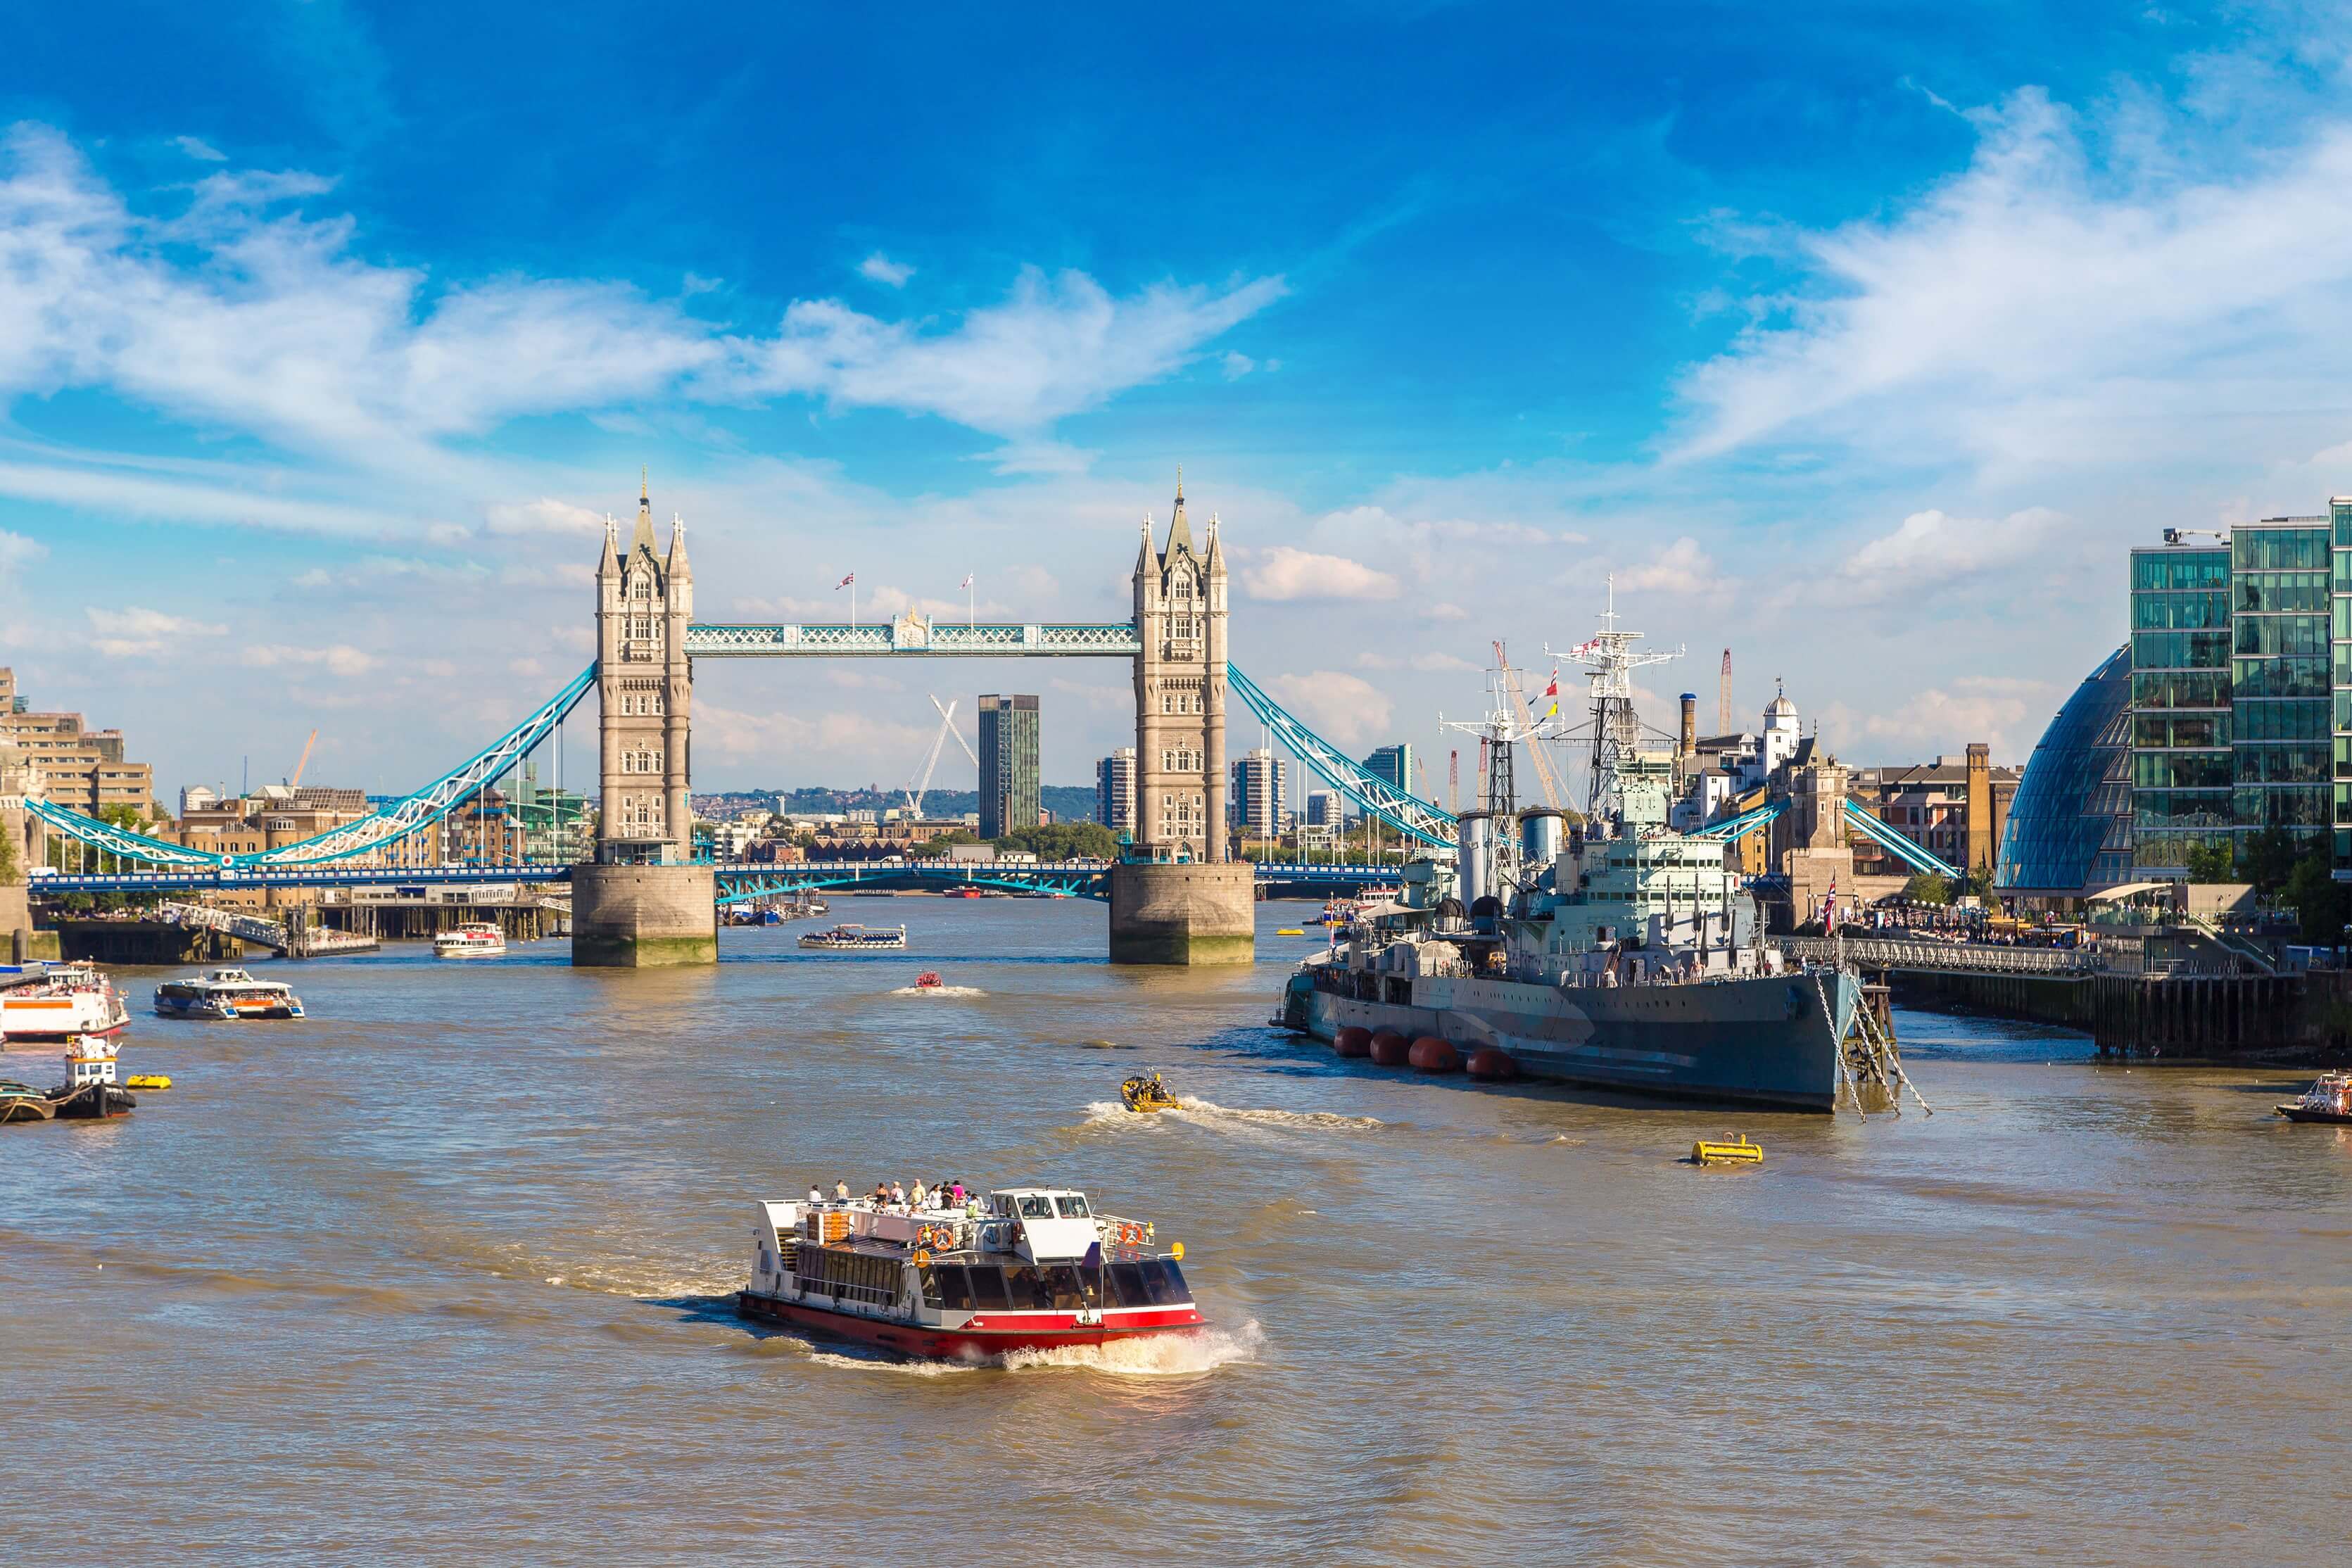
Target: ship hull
[1044,1330]
[1769,1040]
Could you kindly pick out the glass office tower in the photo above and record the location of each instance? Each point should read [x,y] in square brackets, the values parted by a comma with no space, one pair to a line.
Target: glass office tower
[1008,764]
[2181,763]
[2339,510]
[2281,677]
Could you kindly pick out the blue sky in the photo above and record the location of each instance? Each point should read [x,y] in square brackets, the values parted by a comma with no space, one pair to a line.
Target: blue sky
[1860,339]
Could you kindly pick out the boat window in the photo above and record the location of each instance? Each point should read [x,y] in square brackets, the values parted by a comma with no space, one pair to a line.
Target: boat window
[1073,1207]
[1070,1288]
[1126,1285]
[1166,1285]
[1036,1208]
[949,1288]
[987,1287]
[931,1291]
[1026,1287]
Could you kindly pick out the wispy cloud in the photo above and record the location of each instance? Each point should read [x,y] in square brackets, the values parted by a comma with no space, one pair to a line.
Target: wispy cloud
[1340,706]
[202,151]
[339,659]
[1282,573]
[138,633]
[882,270]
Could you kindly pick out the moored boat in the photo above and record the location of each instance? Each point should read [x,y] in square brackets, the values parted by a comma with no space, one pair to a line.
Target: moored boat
[91,1088]
[2329,1099]
[1025,1269]
[475,939]
[68,1001]
[856,939]
[226,993]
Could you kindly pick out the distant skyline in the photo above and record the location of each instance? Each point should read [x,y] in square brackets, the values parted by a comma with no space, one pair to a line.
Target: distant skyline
[1862,341]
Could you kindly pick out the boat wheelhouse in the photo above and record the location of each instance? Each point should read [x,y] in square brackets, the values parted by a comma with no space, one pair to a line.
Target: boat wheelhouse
[68,1000]
[1024,1268]
[475,939]
[226,993]
[856,939]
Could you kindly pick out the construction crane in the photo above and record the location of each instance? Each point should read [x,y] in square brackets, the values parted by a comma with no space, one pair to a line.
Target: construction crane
[296,781]
[1723,697]
[920,786]
[1547,778]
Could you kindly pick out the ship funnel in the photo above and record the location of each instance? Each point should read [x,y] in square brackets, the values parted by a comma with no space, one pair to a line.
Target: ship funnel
[1540,832]
[1476,841]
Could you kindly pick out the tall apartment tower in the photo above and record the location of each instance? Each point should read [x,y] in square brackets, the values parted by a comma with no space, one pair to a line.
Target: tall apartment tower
[1180,695]
[1259,801]
[645,690]
[1009,794]
[1115,791]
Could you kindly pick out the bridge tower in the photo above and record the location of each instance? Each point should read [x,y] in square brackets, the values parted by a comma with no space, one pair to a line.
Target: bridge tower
[643,901]
[1178,899]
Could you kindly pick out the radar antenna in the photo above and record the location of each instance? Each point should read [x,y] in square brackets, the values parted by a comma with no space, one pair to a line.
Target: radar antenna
[1609,657]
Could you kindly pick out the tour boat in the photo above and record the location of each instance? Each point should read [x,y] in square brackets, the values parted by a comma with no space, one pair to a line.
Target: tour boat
[70,1000]
[226,993]
[856,938]
[1025,1269]
[476,939]
[962,893]
[2329,1099]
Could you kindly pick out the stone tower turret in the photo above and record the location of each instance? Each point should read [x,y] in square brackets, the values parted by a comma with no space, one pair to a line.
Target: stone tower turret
[645,690]
[1180,695]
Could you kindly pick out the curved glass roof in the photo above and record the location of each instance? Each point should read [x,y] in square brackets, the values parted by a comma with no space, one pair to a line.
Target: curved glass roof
[2069,828]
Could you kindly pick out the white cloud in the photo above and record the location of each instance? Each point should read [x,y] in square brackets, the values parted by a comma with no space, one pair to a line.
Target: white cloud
[1932,550]
[244,312]
[1343,709]
[1682,569]
[1282,572]
[1940,722]
[138,633]
[199,149]
[545,515]
[696,283]
[882,270]
[339,659]
[1237,365]
[2126,287]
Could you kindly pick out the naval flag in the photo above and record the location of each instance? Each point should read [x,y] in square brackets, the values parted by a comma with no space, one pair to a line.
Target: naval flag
[845,583]
[1552,691]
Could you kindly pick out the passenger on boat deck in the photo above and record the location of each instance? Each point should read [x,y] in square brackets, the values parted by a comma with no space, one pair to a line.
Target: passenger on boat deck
[881,1193]
[919,1197]
[840,1191]
[958,1191]
[816,1194]
[898,1195]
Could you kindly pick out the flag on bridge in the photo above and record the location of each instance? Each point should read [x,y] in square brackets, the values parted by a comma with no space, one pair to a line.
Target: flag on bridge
[845,583]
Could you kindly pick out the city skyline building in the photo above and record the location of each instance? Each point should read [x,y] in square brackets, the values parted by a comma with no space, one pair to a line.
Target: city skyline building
[1115,791]
[1393,764]
[1259,798]
[1009,798]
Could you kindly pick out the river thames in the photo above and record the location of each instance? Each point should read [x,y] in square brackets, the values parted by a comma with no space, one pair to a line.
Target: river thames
[440,1274]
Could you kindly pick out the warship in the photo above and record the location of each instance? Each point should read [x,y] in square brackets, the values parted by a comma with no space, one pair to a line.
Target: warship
[1608,952]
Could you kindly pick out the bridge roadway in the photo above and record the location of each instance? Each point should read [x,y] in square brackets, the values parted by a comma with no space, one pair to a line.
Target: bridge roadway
[738,881]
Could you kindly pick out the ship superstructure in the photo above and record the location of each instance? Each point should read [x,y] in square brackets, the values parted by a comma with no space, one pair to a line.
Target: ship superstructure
[1611,951]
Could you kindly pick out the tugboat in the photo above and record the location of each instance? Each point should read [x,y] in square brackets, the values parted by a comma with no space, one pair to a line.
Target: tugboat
[1026,1268]
[2329,1099]
[1144,1095]
[856,939]
[475,939]
[90,1089]
[226,993]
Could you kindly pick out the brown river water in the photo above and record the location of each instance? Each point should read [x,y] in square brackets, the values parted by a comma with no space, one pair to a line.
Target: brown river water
[440,1274]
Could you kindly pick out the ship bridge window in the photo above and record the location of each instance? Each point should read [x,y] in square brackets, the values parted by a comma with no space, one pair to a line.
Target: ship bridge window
[1036,1208]
[1165,1281]
[1073,1207]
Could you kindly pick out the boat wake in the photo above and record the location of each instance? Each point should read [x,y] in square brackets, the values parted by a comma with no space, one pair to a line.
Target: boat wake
[938,991]
[1208,1113]
[1156,1355]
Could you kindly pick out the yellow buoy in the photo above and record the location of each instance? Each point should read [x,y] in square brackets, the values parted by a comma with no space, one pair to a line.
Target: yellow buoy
[1176,1251]
[147,1081]
[1290,931]
[1742,1152]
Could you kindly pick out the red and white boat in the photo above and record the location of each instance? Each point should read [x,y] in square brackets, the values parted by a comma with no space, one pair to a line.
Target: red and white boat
[70,1000]
[1025,1269]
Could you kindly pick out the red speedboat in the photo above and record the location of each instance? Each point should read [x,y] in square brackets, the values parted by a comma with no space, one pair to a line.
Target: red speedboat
[1025,1269]
[929,979]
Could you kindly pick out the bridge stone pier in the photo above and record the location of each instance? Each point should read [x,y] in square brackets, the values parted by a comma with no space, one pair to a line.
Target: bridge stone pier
[643,901]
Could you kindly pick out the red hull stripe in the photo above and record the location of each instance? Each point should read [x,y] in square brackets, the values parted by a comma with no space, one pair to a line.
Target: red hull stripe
[1006,1331]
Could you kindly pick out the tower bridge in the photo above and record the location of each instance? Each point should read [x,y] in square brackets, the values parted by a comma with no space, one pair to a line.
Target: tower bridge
[642,900]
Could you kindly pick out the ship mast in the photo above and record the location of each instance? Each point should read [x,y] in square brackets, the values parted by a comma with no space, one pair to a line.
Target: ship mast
[1609,658]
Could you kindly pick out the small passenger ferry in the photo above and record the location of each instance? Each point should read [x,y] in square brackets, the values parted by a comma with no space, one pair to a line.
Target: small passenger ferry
[476,939]
[2329,1099]
[1022,1268]
[70,1000]
[226,993]
[856,939]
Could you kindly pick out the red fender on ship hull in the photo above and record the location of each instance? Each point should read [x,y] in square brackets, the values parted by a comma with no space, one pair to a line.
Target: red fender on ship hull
[1355,1040]
[1492,1063]
[1389,1048]
[1430,1054]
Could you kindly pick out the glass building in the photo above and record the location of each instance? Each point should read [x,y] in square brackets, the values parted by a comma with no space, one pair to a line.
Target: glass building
[2071,826]
[2178,686]
[1009,794]
[2281,686]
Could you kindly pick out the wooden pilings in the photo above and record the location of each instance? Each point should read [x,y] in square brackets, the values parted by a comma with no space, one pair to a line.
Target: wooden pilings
[2144,1015]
